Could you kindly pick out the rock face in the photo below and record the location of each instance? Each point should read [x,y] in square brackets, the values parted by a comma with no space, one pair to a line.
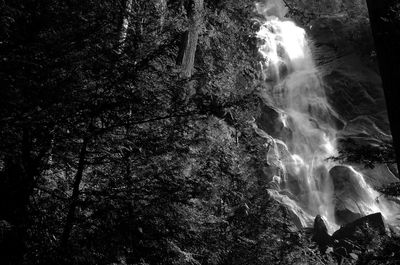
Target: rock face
[344,50]
[386,175]
[344,54]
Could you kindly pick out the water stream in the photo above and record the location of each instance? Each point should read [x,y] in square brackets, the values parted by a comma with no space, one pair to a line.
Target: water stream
[304,182]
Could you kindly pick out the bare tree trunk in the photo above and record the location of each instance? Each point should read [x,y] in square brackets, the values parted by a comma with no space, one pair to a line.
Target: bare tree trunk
[75,195]
[188,50]
[124,26]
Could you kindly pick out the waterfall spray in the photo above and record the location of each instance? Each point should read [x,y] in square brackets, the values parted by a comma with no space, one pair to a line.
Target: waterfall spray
[305,184]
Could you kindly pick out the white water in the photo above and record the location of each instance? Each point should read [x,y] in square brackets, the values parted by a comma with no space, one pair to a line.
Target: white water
[304,184]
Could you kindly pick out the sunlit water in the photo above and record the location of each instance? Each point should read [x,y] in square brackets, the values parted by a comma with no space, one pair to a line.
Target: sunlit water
[304,184]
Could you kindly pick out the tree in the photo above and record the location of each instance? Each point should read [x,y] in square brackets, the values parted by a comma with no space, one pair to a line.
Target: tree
[368,155]
[385,25]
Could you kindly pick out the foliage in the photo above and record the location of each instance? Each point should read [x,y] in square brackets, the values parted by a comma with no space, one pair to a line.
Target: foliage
[368,155]
[392,189]
[146,166]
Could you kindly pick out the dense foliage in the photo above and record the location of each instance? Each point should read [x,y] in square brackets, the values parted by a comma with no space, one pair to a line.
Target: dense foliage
[368,155]
[109,155]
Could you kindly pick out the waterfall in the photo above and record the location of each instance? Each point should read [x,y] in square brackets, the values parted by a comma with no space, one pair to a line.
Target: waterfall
[304,182]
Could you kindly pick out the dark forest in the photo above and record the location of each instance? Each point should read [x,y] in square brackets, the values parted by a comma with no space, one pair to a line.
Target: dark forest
[141,132]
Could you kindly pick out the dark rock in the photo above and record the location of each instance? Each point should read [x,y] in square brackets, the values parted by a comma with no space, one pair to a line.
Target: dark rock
[351,240]
[344,181]
[344,216]
[320,234]
[270,122]
[353,84]
[380,175]
[342,251]
[362,230]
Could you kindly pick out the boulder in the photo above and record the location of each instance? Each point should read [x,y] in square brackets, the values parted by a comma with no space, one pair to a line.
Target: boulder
[344,181]
[353,197]
[362,229]
[353,238]
[320,234]
[346,191]
[346,211]
[271,122]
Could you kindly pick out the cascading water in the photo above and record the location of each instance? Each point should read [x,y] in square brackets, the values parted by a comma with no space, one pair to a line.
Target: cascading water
[304,183]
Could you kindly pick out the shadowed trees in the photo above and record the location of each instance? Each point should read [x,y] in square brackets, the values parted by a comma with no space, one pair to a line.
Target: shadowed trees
[385,24]
[126,136]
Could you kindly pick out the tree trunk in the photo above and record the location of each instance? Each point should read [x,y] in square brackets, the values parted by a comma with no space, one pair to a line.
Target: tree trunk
[17,180]
[124,26]
[161,7]
[188,49]
[75,195]
[385,24]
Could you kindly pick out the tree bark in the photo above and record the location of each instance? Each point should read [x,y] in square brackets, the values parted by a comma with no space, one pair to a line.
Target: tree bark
[75,195]
[188,50]
[385,24]
[124,26]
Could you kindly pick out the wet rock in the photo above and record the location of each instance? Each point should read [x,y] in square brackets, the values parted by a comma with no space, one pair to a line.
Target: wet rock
[270,121]
[346,188]
[359,97]
[344,216]
[320,234]
[380,175]
[346,211]
[289,209]
[353,197]
[342,176]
